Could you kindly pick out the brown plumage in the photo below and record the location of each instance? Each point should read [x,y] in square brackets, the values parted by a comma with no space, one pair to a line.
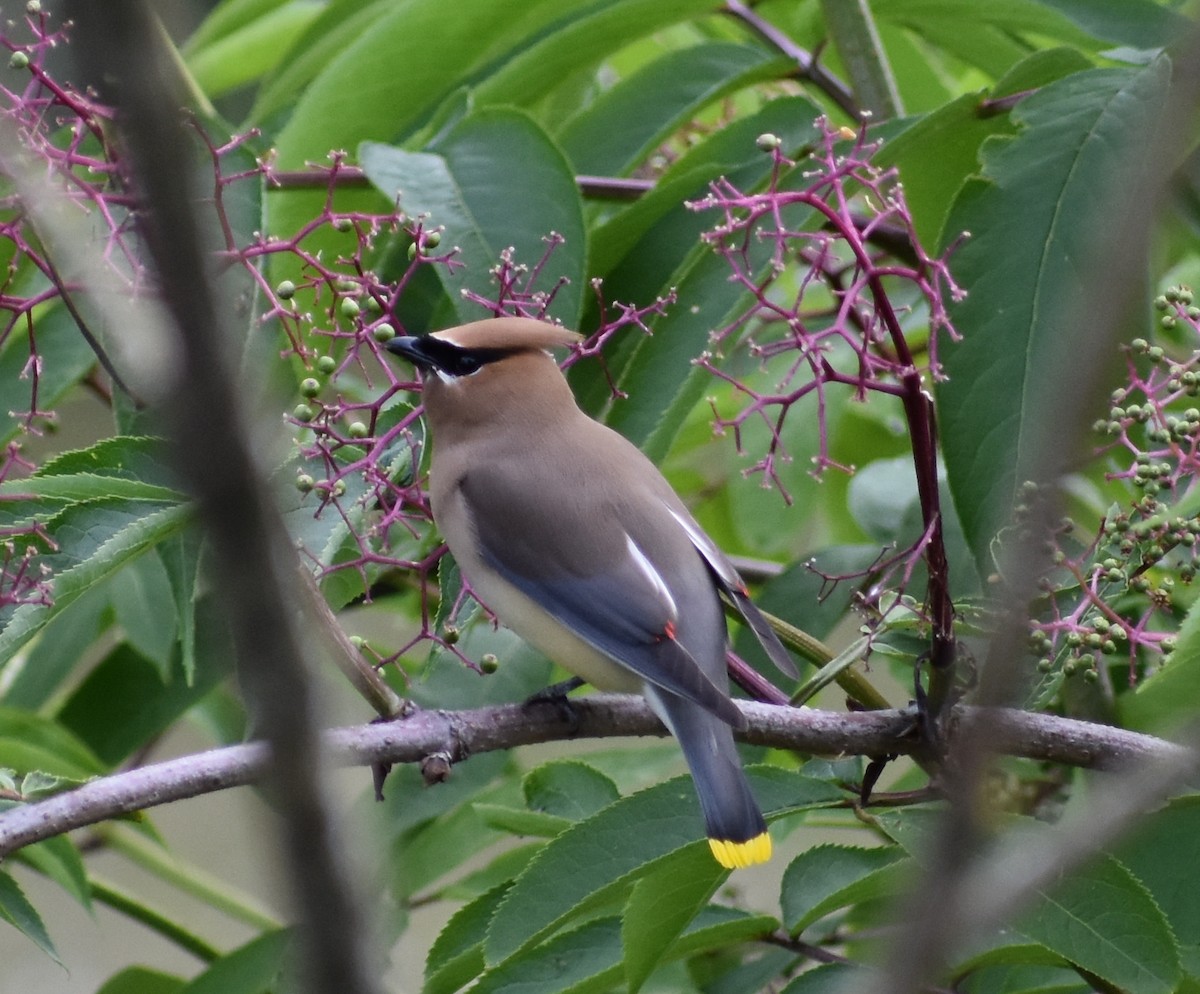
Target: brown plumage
[577,542]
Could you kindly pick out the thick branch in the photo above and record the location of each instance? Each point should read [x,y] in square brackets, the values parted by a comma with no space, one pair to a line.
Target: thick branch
[456,735]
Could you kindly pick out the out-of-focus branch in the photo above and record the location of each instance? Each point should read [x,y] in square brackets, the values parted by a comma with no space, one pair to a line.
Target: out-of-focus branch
[807,66]
[962,891]
[456,735]
[125,56]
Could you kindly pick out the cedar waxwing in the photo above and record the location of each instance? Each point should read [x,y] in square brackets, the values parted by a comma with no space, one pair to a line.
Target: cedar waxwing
[577,543]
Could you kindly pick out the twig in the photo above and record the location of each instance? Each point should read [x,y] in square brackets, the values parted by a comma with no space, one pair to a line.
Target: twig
[459,734]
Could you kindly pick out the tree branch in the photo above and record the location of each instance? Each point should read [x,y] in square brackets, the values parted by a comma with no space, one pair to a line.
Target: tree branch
[457,735]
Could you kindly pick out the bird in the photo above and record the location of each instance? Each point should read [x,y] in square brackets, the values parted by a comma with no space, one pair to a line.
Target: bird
[572,537]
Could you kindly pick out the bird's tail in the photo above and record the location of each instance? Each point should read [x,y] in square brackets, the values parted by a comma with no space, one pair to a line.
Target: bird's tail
[737,832]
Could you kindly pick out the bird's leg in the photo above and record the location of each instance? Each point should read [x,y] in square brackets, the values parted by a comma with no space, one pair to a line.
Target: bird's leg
[556,694]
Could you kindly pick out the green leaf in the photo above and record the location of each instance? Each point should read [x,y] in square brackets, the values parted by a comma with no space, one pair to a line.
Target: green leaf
[628,121]
[86,486]
[456,955]
[36,675]
[228,17]
[251,969]
[1137,23]
[124,701]
[437,53]
[145,609]
[831,978]
[1104,920]
[935,156]
[95,539]
[142,980]
[59,860]
[1156,850]
[1168,698]
[139,458]
[18,912]
[520,821]
[180,556]
[31,742]
[584,864]
[496,180]
[569,789]
[663,902]
[827,877]
[1033,220]
[579,43]
[243,55]
[584,961]
[65,356]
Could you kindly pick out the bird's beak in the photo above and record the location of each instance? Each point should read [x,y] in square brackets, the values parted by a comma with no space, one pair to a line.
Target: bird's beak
[411,348]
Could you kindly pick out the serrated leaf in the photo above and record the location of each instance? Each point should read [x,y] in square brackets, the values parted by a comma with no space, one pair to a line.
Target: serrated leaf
[494,180]
[456,955]
[584,961]
[568,789]
[827,877]
[95,540]
[87,486]
[585,863]
[1154,852]
[30,741]
[1103,919]
[18,912]
[141,458]
[1034,220]
[662,904]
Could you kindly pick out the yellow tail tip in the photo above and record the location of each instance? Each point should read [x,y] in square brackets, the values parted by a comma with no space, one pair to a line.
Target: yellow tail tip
[735,855]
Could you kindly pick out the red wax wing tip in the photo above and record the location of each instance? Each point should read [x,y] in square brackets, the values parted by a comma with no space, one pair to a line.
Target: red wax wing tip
[669,630]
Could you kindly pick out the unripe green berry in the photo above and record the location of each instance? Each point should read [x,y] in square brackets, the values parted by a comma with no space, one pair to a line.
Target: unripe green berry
[1139,345]
[374,306]
[304,483]
[302,412]
[357,429]
[358,641]
[1161,302]
[286,290]
[326,364]
[383,333]
[768,142]
[1155,353]
[18,60]
[339,488]
[433,239]
[1090,675]
[450,635]
[310,387]
[349,307]
[1168,644]
[1167,320]
[33,7]
[1109,647]
[412,251]
[1045,665]
[343,224]
[489,663]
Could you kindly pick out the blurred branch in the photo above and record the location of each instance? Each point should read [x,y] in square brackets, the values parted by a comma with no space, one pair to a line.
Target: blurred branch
[455,735]
[125,57]
[807,66]
[852,28]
